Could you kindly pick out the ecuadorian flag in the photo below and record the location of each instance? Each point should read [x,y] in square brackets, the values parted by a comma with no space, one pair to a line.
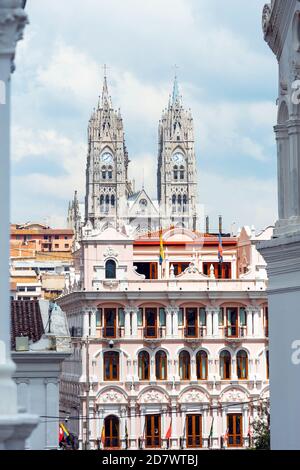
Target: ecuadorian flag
[161,248]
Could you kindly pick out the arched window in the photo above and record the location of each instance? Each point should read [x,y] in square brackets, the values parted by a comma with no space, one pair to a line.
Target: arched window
[109,172]
[184,365]
[175,172]
[111,365]
[110,269]
[181,172]
[144,365]
[101,203]
[107,200]
[113,200]
[201,365]
[174,203]
[242,365]
[111,432]
[225,365]
[103,172]
[179,199]
[161,365]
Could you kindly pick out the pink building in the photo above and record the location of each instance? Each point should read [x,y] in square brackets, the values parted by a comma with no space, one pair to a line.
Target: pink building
[177,353]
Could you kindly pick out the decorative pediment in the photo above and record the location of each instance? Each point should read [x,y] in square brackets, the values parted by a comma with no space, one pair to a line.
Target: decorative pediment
[191,272]
[111,396]
[193,396]
[153,396]
[234,395]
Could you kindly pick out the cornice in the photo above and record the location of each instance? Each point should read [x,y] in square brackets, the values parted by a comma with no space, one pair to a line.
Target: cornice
[13,20]
[276,19]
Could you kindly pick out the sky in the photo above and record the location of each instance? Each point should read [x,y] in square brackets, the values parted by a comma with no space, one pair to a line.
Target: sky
[227,76]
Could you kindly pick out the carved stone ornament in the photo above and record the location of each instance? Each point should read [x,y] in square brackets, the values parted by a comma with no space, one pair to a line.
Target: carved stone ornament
[153,396]
[112,396]
[266,17]
[110,252]
[12,24]
[193,396]
[234,395]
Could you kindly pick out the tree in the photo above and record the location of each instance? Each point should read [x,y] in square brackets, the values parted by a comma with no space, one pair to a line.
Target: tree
[261,427]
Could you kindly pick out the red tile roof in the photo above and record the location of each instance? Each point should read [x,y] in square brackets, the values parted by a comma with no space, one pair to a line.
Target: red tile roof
[26,320]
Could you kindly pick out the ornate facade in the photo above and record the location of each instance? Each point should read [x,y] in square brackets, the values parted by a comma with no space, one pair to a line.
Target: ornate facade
[177,353]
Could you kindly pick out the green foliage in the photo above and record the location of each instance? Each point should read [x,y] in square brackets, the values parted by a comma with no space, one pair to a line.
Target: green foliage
[261,428]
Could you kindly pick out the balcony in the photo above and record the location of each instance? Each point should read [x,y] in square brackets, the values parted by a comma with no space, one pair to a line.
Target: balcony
[234,333]
[154,333]
[194,332]
[110,332]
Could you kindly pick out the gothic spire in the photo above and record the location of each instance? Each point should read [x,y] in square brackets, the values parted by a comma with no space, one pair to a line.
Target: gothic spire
[175,94]
[105,99]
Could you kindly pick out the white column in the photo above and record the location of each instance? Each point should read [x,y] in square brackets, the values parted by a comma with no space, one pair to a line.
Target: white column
[134,322]
[249,321]
[14,427]
[174,434]
[193,369]
[168,322]
[93,322]
[256,321]
[85,323]
[175,323]
[209,321]
[132,434]
[127,323]
[216,322]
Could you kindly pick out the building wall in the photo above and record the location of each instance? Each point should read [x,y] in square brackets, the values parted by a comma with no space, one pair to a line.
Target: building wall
[129,398]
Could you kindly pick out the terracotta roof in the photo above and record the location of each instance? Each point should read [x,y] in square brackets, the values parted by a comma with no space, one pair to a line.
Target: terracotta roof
[26,320]
[47,231]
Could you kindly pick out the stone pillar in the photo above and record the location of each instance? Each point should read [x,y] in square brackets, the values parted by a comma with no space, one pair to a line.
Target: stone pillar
[175,322]
[216,322]
[134,332]
[127,322]
[249,321]
[283,171]
[193,370]
[132,433]
[209,313]
[14,427]
[168,322]
[256,322]
[174,436]
[93,321]
[294,136]
[85,331]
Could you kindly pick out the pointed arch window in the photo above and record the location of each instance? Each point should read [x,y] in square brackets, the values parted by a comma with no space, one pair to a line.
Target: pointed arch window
[110,172]
[184,365]
[201,365]
[103,172]
[242,365]
[161,365]
[102,203]
[175,172]
[179,200]
[110,269]
[174,203]
[225,365]
[181,172]
[113,200]
[144,365]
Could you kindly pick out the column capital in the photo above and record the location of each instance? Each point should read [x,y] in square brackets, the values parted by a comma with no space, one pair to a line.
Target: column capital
[130,309]
[13,20]
[212,309]
[171,309]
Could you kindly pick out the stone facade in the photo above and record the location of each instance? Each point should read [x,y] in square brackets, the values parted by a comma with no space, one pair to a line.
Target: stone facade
[157,340]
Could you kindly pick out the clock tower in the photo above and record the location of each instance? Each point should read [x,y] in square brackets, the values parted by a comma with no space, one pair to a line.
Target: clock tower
[177,173]
[107,186]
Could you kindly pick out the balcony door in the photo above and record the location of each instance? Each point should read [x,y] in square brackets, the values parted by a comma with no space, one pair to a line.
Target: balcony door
[193,431]
[110,318]
[191,322]
[150,322]
[235,430]
[153,430]
[112,434]
[232,322]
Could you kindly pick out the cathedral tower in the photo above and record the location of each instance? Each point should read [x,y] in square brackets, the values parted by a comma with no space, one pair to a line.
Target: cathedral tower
[177,173]
[107,186]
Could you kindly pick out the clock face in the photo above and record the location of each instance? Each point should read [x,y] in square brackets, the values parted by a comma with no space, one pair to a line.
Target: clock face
[107,157]
[178,158]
